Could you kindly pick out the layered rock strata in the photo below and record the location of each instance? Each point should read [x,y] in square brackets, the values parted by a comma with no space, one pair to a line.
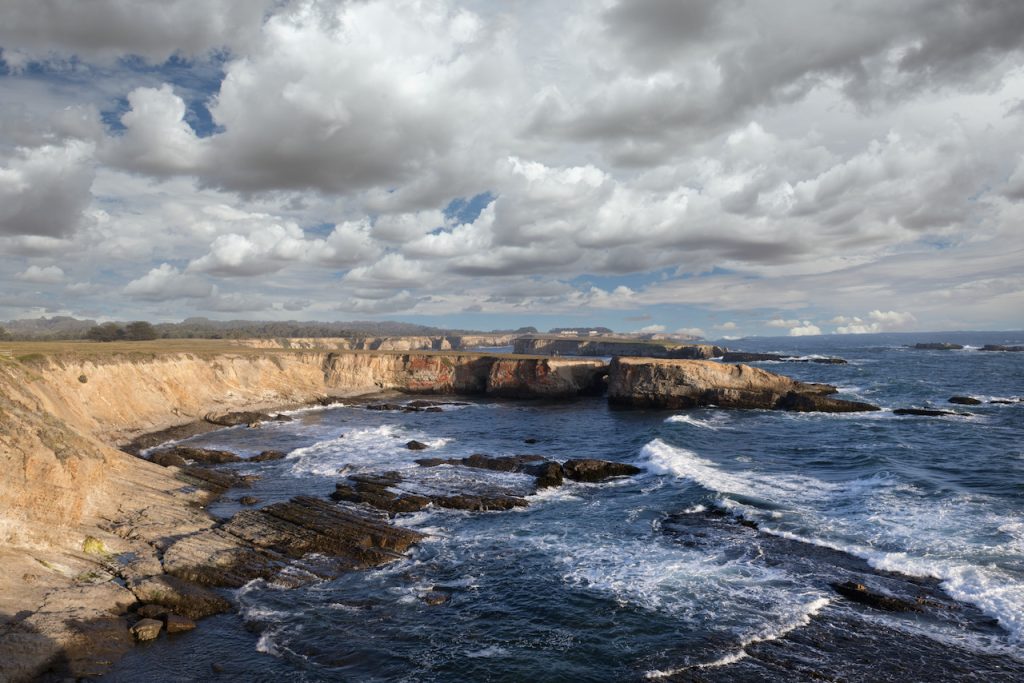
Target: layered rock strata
[649,383]
[562,346]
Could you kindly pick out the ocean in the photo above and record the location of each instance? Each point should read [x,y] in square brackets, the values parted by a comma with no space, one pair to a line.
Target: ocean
[717,563]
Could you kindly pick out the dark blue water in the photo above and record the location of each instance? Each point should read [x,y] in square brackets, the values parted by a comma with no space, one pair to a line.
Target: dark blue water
[715,564]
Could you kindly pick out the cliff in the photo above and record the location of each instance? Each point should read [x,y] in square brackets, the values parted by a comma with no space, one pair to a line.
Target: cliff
[562,346]
[642,382]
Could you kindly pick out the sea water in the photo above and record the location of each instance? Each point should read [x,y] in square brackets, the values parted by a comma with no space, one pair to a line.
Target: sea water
[716,563]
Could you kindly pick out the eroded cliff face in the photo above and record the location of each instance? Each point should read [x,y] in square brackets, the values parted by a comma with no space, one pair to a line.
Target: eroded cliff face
[644,382]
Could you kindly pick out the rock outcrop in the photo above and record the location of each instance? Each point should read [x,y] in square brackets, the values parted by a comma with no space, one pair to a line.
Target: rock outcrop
[746,357]
[1001,347]
[938,346]
[648,383]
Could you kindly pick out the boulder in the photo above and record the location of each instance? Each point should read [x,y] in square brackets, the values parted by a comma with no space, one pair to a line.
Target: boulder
[249,500]
[965,400]
[416,445]
[590,470]
[817,403]
[151,611]
[547,474]
[938,346]
[147,629]
[176,623]
[1001,347]
[435,598]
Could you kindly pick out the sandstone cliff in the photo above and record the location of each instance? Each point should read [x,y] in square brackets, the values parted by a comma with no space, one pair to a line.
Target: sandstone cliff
[643,382]
[418,343]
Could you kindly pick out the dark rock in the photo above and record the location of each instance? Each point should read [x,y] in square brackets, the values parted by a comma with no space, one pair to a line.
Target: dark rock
[938,346]
[530,441]
[269,455]
[435,462]
[809,403]
[168,459]
[1001,347]
[508,463]
[244,417]
[548,474]
[176,623]
[416,445]
[479,503]
[590,470]
[249,500]
[924,412]
[374,491]
[825,361]
[179,596]
[433,409]
[744,357]
[436,598]
[204,456]
[965,400]
[1004,401]
[384,406]
[858,592]
[151,611]
[147,629]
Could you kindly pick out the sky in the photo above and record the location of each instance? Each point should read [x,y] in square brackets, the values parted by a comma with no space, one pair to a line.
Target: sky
[724,168]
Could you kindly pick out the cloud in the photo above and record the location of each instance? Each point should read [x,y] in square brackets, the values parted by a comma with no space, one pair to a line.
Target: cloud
[106,29]
[727,326]
[42,275]
[691,331]
[44,190]
[805,330]
[652,329]
[880,321]
[780,322]
[165,283]
[156,140]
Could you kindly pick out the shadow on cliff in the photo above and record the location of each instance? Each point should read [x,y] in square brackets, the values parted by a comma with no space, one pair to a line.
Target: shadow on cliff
[86,650]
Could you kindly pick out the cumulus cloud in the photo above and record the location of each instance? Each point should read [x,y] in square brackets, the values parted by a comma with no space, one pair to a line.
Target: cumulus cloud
[783,323]
[877,321]
[165,283]
[44,190]
[651,329]
[42,275]
[805,330]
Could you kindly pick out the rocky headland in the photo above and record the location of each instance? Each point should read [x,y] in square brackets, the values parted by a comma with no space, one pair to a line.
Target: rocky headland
[96,541]
[603,346]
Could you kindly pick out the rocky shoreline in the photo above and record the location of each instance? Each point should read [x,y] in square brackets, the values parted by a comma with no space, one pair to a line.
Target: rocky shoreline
[97,541]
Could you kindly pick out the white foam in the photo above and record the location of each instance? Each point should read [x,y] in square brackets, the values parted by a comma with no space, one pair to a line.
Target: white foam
[363,447]
[892,525]
[695,422]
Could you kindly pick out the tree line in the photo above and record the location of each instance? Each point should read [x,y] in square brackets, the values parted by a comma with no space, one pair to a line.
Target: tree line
[140,330]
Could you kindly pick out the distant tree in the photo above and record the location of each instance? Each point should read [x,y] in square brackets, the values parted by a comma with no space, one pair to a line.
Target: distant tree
[140,330]
[4,334]
[106,332]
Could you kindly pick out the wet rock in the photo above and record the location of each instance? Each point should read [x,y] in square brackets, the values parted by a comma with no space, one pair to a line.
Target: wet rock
[530,441]
[924,412]
[548,474]
[203,456]
[590,470]
[479,503]
[384,406]
[175,623]
[416,445]
[817,403]
[266,456]
[858,592]
[244,417]
[323,539]
[1004,401]
[147,629]
[938,346]
[168,459]
[375,491]
[151,611]
[1001,347]
[434,598]
[744,357]
[179,596]
[965,400]
[249,500]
